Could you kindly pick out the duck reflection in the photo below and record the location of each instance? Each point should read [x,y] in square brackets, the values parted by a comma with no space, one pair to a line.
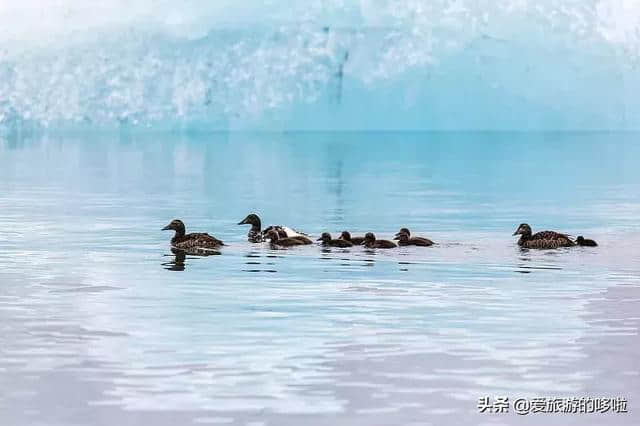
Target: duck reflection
[178,263]
[370,261]
[526,265]
[255,265]
[403,266]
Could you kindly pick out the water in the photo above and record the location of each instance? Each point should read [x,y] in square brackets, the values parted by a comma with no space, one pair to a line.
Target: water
[101,321]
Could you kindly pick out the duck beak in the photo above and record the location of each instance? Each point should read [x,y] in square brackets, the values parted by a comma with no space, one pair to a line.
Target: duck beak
[397,237]
[166,228]
[319,239]
[244,222]
[517,231]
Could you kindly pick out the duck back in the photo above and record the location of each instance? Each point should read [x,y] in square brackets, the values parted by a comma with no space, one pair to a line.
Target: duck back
[339,243]
[416,241]
[545,240]
[549,235]
[196,241]
[287,242]
[382,244]
[304,240]
[356,241]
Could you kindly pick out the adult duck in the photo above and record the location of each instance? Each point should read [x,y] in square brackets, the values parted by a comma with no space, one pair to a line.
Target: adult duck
[371,242]
[257,234]
[541,240]
[405,239]
[191,242]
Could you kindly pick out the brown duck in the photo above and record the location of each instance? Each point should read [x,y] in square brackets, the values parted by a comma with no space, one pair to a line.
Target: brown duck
[327,241]
[191,242]
[405,239]
[276,241]
[585,242]
[356,241]
[371,242]
[541,240]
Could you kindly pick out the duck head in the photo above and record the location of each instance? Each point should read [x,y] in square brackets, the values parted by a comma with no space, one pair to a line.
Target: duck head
[175,225]
[369,238]
[253,220]
[402,236]
[345,236]
[403,231]
[523,229]
[580,240]
[325,237]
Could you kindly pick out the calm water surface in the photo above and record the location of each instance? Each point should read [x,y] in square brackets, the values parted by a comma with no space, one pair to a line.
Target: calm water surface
[103,325]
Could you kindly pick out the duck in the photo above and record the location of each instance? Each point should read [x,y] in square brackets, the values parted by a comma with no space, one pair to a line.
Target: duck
[328,241]
[541,240]
[356,241]
[411,241]
[257,235]
[404,240]
[191,243]
[371,242]
[585,242]
[274,238]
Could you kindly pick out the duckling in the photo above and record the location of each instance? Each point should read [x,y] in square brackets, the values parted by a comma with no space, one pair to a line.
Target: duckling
[541,240]
[191,242]
[327,241]
[412,241]
[356,241]
[282,233]
[256,235]
[405,240]
[585,242]
[371,242]
[276,241]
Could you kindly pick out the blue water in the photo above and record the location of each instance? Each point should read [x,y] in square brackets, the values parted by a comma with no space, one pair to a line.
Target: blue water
[101,321]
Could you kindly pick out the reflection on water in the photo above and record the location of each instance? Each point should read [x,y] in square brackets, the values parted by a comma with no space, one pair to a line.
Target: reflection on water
[95,326]
[257,264]
[179,261]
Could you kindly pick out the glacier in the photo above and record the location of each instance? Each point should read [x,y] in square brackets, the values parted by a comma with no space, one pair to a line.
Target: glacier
[321,65]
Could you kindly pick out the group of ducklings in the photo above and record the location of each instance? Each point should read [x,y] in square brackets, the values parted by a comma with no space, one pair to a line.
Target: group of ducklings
[284,236]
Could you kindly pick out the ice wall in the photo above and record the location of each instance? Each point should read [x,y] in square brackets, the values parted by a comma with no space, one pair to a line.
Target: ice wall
[276,64]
